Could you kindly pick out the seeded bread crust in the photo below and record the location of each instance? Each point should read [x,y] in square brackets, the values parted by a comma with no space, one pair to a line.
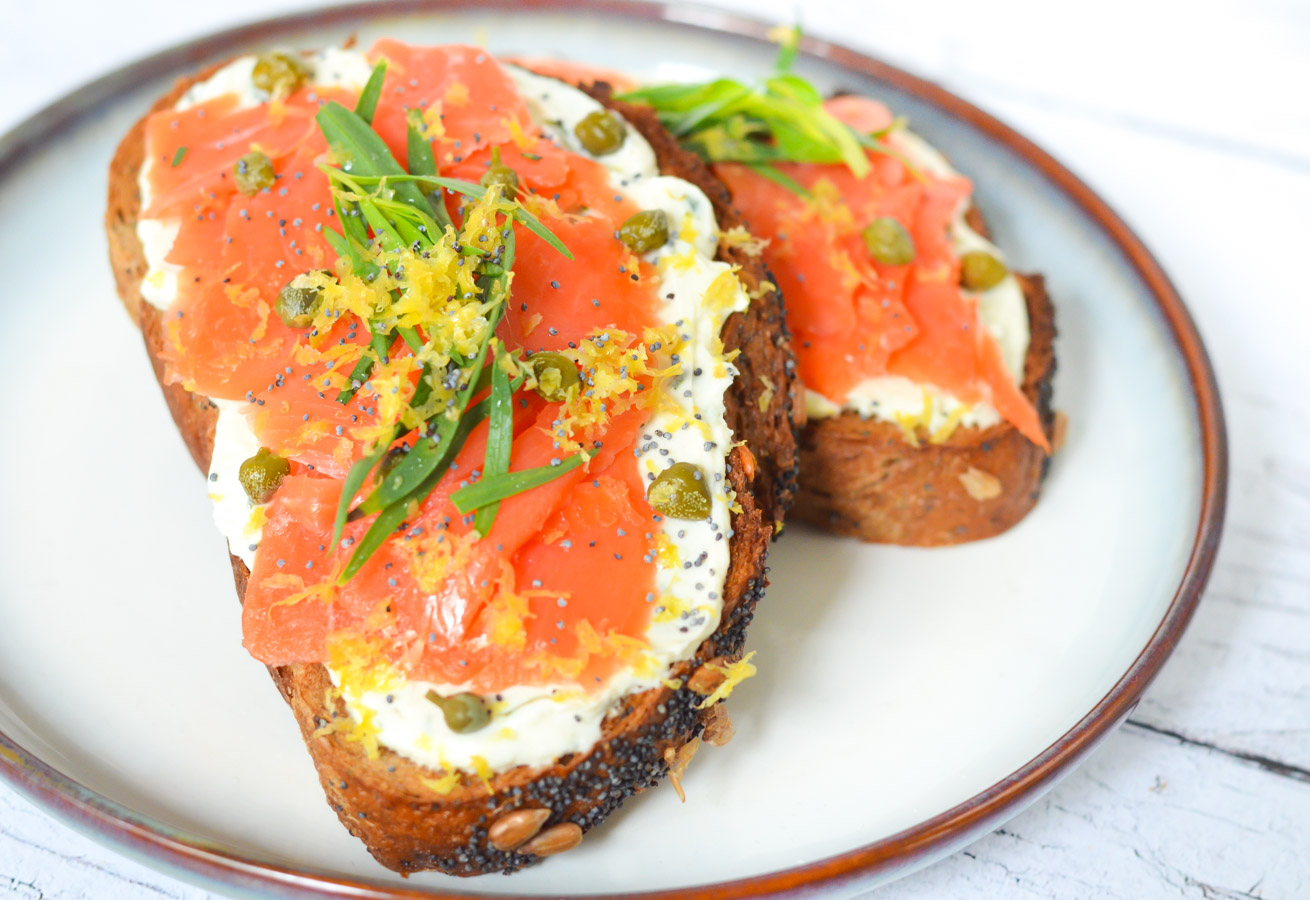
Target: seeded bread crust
[860,477]
[385,802]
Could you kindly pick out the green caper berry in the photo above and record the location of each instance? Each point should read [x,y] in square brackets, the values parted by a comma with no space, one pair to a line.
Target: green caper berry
[980,271]
[601,132]
[279,73]
[645,231]
[254,172]
[504,176]
[888,242]
[556,374]
[464,713]
[681,492]
[296,306]
[261,475]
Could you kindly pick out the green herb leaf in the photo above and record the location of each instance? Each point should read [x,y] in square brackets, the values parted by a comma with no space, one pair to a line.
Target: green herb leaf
[419,148]
[358,375]
[787,49]
[380,343]
[179,156]
[735,139]
[470,189]
[777,176]
[723,96]
[781,119]
[676,97]
[408,477]
[355,479]
[368,98]
[339,243]
[372,193]
[796,88]
[500,439]
[384,229]
[410,337]
[871,142]
[496,488]
[353,230]
[359,150]
[378,532]
[394,222]
[390,518]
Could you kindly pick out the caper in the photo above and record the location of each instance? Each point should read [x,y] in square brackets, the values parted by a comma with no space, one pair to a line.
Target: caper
[501,174]
[464,713]
[261,475]
[980,271]
[279,73]
[645,231]
[601,132]
[888,242]
[557,376]
[254,172]
[681,492]
[296,305]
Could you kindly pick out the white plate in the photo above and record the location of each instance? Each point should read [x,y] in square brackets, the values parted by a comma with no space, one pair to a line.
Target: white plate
[906,698]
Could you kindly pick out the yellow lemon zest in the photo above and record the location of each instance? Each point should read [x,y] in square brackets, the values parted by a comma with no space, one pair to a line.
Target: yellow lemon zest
[443,785]
[734,673]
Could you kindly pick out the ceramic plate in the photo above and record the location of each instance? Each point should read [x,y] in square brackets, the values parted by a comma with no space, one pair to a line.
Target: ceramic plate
[907,700]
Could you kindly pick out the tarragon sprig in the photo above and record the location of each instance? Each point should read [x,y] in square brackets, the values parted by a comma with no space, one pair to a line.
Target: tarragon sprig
[382,209]
[780,118]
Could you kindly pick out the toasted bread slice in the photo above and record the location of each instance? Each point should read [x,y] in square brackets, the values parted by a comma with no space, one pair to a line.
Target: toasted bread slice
[884,479]
[391,803]
[861,477]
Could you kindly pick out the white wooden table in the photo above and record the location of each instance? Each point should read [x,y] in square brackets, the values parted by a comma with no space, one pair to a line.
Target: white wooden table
[1193,120]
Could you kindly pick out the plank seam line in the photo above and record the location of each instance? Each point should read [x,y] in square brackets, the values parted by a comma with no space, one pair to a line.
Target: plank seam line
[1273,766]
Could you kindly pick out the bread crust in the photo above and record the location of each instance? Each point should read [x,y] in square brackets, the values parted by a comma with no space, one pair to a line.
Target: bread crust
[388,802]
[861,477]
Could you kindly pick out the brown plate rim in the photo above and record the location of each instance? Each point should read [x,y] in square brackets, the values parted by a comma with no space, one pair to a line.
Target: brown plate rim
[165,848]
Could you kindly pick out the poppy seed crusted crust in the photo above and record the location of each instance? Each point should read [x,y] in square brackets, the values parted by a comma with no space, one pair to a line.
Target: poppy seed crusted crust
[389,802]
